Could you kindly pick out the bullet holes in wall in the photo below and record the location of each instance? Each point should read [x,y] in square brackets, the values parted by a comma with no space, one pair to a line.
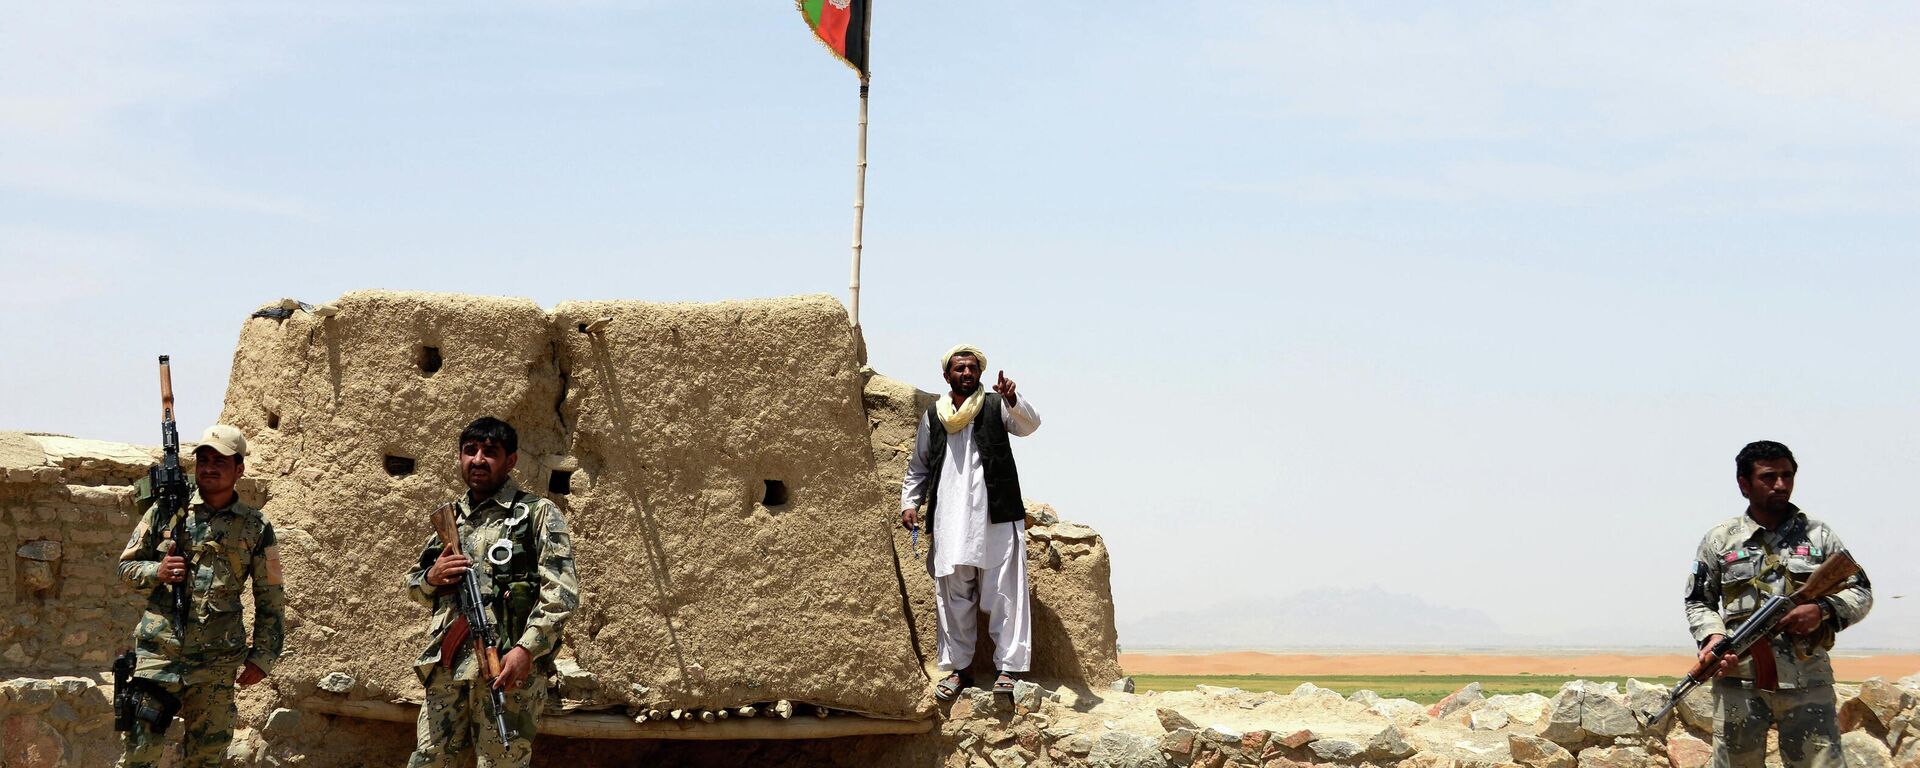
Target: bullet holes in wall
[397,466]
[560,482]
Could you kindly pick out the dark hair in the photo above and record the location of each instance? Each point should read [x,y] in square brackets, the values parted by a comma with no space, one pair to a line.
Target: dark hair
[1761,450]
[488,429]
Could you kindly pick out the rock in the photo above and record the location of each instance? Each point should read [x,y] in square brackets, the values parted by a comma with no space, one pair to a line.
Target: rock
[1619,757]
[1456,701]
[1364,697]
[31,695]
[1027,696]
[1401,712]
[1865,751]
[1065,697]
[984,704]
[1685,751]
[1875,707]
[1906,753]
[1252,743]
[1078,744]
[1645,698]
[1336,750]
[1430,760]
[575,683]
[1487,719]
[1119,749]
[1696,708]
[1389,744]
[26,742]
[1173,721]
[244,751]
[961,709]
[36,576]
[42,550]
[1313,694]
[1298,739]
[1010,757]
[336,682]
[1178,741]
[1582,710]
[1536,752]
[1525,708]
[1216,690]
[1123,685]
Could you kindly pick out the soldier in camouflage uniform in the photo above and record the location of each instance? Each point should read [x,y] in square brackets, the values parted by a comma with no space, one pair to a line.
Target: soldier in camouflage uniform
[231,544]
[524,560]
[1771,550]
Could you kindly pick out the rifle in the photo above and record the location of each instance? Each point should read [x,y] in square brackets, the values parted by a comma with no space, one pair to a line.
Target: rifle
[473,626]
[1762,625]
[170,492]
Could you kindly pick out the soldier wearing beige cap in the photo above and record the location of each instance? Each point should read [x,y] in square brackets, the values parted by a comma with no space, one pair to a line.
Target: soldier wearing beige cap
[229,543]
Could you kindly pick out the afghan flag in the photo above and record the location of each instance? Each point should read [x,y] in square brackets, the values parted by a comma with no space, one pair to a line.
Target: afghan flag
[843,25]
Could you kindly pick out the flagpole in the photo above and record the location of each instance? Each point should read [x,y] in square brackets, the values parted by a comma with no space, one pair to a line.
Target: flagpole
[859,217]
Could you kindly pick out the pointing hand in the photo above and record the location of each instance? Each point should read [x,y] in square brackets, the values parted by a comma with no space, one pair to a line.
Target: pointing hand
[1005,388]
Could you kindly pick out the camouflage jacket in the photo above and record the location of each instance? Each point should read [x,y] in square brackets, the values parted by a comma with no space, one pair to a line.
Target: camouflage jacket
[531,564]
[230,546]
[1740,563]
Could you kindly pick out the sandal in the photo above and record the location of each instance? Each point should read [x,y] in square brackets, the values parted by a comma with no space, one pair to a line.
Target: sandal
[949,686]
[1004,683]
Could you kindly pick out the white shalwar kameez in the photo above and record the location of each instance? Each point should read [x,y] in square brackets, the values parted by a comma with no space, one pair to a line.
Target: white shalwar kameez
[977,565]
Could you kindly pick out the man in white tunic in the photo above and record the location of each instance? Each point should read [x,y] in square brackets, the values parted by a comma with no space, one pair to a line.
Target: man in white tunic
[962,469]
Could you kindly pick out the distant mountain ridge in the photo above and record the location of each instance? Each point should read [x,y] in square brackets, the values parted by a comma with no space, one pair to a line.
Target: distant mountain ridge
[1358,617]
[1372,618]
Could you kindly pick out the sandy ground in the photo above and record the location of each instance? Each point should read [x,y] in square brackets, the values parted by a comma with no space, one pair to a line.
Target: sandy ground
[1891,667]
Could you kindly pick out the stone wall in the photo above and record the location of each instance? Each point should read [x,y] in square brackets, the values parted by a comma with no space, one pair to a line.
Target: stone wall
[66,510]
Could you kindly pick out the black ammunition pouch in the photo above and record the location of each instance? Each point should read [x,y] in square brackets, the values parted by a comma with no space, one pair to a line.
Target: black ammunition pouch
[139,700]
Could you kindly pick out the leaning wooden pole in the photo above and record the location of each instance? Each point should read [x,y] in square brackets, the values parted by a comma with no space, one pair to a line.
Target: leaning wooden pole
[859,220]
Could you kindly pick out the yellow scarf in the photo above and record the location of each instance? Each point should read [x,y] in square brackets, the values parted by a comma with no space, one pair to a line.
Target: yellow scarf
[957,418]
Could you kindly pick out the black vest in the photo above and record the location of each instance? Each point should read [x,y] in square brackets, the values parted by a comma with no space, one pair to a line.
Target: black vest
[1004,504]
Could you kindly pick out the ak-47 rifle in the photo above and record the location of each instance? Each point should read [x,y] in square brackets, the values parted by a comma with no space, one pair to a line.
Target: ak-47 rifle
[473,627]
[170,492]
[1761,626]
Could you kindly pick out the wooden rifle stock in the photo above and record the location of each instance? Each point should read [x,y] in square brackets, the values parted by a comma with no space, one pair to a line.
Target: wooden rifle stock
[1828,579]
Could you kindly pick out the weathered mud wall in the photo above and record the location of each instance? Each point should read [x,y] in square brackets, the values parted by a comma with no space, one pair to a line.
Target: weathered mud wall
[660,435]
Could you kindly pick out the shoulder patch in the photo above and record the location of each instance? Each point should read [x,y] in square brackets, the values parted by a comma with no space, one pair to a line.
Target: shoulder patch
[272,555]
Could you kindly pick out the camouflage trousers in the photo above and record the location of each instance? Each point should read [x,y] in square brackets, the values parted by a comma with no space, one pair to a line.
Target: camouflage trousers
[207,708]
[456,721]
[1809,734]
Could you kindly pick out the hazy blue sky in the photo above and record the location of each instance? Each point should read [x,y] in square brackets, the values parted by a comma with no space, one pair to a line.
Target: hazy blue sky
[1475,302]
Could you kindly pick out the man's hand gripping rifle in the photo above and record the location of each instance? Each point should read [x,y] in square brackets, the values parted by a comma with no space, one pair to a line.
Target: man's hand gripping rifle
[474,626]
[170,492]
[1762,625]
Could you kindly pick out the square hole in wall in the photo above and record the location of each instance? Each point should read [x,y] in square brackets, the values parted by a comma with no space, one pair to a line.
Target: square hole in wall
[560,482]
[429,360]
[774,493]
[397,466]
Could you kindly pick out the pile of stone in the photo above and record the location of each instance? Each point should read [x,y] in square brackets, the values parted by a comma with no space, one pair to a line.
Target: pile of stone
[1585,725]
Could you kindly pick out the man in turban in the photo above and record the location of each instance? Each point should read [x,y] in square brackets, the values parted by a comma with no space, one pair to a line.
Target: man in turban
[962,468]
